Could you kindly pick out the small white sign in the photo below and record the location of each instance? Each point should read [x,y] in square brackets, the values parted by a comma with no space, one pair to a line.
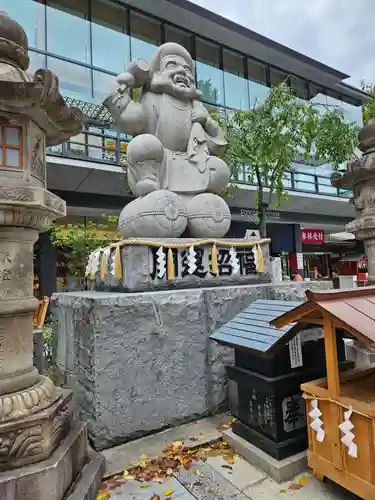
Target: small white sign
[300,265]
[295,352]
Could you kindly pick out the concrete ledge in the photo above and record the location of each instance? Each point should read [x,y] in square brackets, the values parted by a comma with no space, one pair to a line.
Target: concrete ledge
[279,470]
[88,482]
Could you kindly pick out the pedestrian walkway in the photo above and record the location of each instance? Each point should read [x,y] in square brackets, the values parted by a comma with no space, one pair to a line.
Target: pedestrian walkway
[214,478]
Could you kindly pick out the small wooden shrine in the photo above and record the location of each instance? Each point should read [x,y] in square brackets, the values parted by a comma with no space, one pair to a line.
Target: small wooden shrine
[341,408]
[264,385]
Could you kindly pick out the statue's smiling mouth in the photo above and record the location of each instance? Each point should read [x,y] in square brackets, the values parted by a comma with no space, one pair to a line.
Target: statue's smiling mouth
[181,80]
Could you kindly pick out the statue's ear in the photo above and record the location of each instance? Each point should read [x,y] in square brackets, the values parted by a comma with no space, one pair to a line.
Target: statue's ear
[199,94]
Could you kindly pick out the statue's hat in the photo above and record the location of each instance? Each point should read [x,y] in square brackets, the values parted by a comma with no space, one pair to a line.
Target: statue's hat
[169,49]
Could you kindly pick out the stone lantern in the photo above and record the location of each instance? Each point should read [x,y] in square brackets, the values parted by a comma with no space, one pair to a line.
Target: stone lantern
[35,415]
[360,177]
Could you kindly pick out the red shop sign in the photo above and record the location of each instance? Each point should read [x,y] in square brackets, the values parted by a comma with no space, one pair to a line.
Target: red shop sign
[312,236]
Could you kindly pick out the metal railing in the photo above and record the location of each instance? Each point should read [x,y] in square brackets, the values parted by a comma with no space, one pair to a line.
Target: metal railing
[109,146]
[304,182]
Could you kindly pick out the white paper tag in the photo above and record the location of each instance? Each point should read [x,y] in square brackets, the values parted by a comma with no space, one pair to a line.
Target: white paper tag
[320,435]
[315,413]
[295,352]
[346,426]
[353,450]
[316,424]
[348,439]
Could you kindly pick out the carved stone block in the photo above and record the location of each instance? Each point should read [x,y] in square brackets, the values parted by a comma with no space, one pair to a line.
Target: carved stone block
[70,473]
[29,436]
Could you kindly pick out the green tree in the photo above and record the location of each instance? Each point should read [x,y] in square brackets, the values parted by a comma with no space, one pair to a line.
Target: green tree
[209,92]
[270,136]
[82,239]
[368,110]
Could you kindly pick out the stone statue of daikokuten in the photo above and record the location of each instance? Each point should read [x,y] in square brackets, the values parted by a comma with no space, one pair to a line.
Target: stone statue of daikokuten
[173,164]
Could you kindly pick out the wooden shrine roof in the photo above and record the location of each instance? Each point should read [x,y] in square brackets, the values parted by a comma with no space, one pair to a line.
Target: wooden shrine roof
[251,328]
[352,310]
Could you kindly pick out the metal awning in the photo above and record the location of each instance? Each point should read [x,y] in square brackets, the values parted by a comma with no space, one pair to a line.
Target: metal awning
[334,237]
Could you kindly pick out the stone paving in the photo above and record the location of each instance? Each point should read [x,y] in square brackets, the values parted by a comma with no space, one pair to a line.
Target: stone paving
[213,479]
[244,483]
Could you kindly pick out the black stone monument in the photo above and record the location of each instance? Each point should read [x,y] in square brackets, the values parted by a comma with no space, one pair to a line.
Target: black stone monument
[270,366]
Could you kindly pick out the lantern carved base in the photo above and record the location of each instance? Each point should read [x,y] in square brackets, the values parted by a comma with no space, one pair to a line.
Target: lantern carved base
[70,473]
[37,419]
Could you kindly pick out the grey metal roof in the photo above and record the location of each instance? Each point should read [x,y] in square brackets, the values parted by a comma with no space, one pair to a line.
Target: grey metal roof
[251,329]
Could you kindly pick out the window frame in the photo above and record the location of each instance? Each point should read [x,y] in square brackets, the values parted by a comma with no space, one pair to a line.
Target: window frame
[4,146]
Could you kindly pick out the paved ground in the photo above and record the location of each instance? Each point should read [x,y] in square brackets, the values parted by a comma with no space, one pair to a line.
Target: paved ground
[213,479]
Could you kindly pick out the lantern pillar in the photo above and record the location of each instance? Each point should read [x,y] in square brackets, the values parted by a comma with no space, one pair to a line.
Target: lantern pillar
[35,415]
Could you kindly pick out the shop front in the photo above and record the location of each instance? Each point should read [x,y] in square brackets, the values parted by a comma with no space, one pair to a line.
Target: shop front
[324,253]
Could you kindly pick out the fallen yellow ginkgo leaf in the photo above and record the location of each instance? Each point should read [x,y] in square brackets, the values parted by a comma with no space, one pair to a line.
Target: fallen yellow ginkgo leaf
[303,480]
[168,492]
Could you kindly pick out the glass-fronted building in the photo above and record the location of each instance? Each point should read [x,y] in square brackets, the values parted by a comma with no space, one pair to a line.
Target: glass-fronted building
[87,43]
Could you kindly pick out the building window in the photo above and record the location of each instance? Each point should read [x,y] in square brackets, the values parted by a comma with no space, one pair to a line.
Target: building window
[37,61]
[181,37]
[31,16]
[75,80]
[257,75]
[145,36]
[103,86]
[235,83]
[209,76]
[318,97]
[11,146]
[68,29]
[299,87]
[110,39]
[278,77]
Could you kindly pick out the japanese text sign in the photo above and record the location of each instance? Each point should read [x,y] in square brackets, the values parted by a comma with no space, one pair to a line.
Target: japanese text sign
[312,236]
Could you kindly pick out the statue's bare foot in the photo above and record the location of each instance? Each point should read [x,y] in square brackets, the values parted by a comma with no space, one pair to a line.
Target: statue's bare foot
[146,186]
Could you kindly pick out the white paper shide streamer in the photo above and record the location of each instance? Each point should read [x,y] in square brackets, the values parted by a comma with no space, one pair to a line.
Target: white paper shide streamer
[234,262]
[347,439]
[192,263]
[255,253]
[93,264]
[111,259]
[316,423]
[161,263]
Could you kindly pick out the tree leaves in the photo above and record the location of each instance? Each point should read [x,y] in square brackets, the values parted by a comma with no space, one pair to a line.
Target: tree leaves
[268,138]
[368,110]
[82,239]
[159,469]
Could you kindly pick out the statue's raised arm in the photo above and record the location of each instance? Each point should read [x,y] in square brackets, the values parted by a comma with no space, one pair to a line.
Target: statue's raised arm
[129,115]
[175,144]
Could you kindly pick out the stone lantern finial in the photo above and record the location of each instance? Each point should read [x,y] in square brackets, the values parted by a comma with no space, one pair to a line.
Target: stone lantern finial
[13,42]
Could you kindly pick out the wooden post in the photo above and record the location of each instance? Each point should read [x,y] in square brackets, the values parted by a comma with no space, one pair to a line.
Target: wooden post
[331,424]
[331,357]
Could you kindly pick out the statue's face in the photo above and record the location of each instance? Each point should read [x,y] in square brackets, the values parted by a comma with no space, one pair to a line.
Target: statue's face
[178,71]
[175,78]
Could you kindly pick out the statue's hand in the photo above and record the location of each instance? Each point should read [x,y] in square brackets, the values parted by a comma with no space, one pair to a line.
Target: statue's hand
[199,115]
[125,80]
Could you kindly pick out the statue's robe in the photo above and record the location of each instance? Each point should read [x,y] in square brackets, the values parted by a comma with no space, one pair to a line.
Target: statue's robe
[187,145]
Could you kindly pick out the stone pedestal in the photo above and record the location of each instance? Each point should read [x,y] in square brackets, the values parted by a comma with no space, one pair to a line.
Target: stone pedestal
[139,362]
